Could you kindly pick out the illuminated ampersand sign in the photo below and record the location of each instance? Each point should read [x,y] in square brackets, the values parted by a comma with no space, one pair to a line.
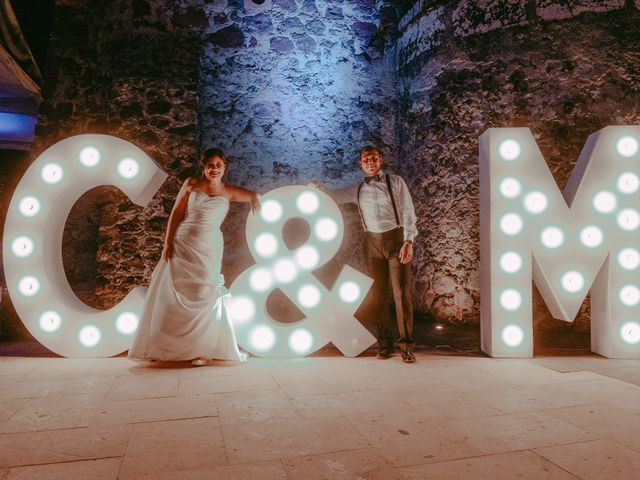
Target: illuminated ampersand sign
[329,313]
[32,244]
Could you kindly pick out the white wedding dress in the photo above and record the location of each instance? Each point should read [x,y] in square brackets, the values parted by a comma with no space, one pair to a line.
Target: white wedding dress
[185,313]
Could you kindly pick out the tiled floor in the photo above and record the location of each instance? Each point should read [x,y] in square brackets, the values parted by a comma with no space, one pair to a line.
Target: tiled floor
[445,417]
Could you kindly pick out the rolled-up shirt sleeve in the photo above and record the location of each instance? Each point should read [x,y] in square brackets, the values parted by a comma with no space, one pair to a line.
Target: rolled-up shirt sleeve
[407,212]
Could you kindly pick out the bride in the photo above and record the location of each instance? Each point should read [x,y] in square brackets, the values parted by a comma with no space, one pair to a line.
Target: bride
[185,314]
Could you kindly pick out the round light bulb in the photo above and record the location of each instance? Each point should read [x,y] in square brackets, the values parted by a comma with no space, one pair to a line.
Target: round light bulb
[50,321]
[89,156]
[29,206]
[349,292]
[605,202]
[510,150]
[572,281]
[510,187]
[127,323]
[630,333]
[627,146]
[285,271]
[260,280]
[629,258]
[512,335]
[128,168]
[89,336]
[22,246]
[52,173]
[326,229]
[536,202]
[628,182]
[628,219]
[266,244]
[591,236]
[510,299]
[630,295]
[262,338]
[510,262]
[308,202]
[309,296]
[300,341]
[511,224]
[29,286]
[552,237]
[271,211]
[242,309]
[307,257]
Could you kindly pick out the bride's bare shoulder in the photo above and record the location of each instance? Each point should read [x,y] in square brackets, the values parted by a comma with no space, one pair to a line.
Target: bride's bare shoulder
[191,183]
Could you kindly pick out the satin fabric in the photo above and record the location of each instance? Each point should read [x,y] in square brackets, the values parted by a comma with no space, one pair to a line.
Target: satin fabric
[186,313]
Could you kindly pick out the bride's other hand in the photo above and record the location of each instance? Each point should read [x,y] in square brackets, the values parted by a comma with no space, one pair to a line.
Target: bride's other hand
[255,203]
[315,184]
[167,251]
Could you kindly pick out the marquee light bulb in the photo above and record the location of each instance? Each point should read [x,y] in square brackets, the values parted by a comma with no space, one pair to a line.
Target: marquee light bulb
[309,296]
[630,295]
[552,237]
[510,187]
[604,202]
[510,299]
[266,244]
[512,335]
[510,262]
[51,173]
[285,270]
[536,202]
[326,229]
[308,202]
[89,156]
[128,168]
[50,321]
[628,219]
[89,336]
[29,286]
[262,338]
[260,280]
[127,323]
[271,211]
[307,257]
[29,206]
[591,236]
[349,292]
[511,224]
[630,333]
[628,182]
[572,281]
[629,258]
[300,341]
[627,146]
[510,150]
[22,246]
[242,309]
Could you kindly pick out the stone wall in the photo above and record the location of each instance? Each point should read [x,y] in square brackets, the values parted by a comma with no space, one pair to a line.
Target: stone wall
[460,73]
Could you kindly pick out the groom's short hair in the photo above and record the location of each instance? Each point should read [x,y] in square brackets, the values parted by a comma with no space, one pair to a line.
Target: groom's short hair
[370,149]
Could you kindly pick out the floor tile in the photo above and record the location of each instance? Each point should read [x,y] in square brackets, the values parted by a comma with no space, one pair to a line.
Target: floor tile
[517,465]
[365,463]
[66,445]
[174,445]
[599,460]
[228,383]
[135,387]
[273,470]
[105,469]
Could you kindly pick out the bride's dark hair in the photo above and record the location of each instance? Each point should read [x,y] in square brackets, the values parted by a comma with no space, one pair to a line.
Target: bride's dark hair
[213,152]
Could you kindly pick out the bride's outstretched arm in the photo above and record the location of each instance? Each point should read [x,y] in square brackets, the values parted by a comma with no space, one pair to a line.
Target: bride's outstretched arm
[177,214]
[239,194]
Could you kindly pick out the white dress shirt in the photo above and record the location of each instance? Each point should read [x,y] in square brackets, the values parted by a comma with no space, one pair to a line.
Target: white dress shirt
[376,207]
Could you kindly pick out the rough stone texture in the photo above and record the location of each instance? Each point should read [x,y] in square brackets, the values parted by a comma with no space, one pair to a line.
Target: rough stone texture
[457,90]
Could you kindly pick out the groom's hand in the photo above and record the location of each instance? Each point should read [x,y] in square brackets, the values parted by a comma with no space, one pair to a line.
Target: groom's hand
[406,252]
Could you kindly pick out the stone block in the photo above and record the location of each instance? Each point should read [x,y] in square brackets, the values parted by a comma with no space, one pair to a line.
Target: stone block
[480,16]
[559,10]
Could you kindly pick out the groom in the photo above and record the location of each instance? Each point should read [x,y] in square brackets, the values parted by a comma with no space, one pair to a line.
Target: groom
[389,221]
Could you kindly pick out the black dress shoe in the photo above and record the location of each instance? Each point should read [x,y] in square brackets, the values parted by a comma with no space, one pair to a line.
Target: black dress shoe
[383,354]
[408,357]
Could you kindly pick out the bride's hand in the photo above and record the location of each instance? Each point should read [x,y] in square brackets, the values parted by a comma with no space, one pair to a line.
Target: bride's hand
[167,252]
[255,203]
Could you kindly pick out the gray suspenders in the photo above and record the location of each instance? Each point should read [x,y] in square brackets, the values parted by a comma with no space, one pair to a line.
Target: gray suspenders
[393,201]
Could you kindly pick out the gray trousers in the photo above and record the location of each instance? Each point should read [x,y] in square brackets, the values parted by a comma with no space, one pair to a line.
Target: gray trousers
[383,265]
